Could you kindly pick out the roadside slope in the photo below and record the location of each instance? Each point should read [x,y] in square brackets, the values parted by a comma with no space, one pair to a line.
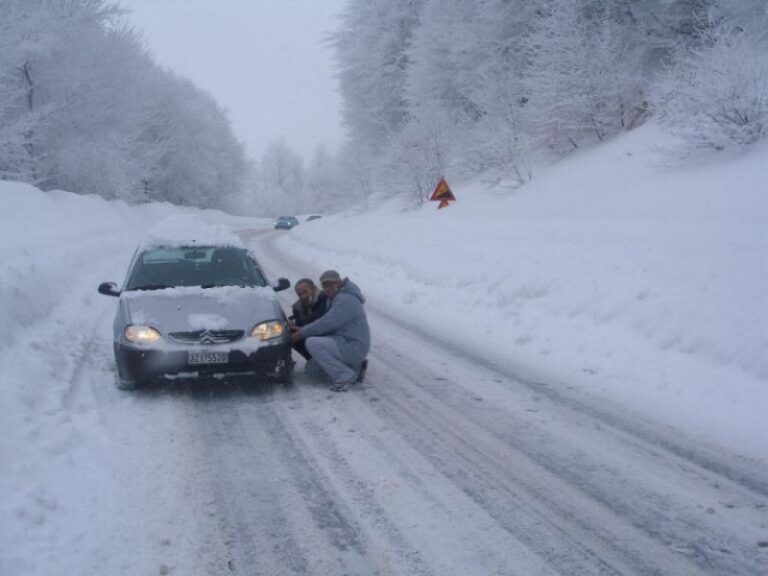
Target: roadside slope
[641,283]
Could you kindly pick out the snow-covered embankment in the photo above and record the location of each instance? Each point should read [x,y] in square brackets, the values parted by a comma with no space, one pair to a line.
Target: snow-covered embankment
[641,283]
[56,495]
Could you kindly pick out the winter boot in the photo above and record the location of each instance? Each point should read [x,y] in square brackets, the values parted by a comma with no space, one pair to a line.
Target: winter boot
[362,371]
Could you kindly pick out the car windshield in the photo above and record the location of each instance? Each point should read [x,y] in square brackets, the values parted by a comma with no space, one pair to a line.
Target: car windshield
[206,266]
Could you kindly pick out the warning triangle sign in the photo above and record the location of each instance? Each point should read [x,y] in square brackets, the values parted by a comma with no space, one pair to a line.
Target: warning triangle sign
[442,192]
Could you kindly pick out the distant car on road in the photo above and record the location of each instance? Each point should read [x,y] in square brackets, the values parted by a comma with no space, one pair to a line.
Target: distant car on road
[286,222]
[197,304]
[313,217]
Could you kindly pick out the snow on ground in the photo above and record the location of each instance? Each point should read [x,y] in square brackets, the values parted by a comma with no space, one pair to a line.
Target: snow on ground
[637,282]
[640,282]
[57,248]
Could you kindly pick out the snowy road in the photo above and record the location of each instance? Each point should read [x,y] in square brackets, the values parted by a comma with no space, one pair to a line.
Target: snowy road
[439,464]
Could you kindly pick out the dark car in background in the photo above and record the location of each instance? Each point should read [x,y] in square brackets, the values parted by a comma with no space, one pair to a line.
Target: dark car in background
[286,222]
[313,217]
[192,309]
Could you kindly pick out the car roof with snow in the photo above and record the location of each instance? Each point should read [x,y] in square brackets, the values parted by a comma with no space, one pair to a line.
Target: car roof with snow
[186,230]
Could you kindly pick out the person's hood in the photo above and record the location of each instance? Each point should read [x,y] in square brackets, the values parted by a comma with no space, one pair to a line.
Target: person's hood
[349,287]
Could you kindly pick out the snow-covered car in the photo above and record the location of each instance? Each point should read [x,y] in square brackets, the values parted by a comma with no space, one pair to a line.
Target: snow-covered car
[196,304]
[286,222]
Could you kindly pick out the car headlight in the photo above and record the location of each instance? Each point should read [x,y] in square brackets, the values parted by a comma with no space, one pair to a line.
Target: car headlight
[141,334]
[268,330]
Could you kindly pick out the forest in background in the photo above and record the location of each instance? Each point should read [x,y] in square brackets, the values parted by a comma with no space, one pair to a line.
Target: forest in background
[503,87]
[85,108]
[460,88]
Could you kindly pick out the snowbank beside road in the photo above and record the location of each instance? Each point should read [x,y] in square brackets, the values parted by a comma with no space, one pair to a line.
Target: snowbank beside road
[56,496]
[61,504]
[52,241]
[639,282]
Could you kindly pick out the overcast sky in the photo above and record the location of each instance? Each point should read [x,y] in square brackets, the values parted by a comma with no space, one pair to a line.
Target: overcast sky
[263,60]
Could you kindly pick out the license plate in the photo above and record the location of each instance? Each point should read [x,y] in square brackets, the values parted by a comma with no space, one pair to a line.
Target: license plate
[208,357]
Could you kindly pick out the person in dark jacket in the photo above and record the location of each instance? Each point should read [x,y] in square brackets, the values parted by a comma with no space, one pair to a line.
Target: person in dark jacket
[339,340]
[312,304]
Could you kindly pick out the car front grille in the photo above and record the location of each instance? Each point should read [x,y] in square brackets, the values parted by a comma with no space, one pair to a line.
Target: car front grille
[207,336]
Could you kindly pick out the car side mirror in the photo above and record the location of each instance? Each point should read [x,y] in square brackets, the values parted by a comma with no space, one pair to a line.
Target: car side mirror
[109,289]
[282,284]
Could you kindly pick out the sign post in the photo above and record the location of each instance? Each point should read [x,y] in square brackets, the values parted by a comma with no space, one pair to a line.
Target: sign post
[442,194]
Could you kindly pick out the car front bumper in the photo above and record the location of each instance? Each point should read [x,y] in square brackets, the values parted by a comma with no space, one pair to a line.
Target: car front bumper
[268,363]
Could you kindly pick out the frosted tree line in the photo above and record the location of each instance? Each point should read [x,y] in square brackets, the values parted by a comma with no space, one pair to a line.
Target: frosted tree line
[461,87]
[83,107]
[281,182]
[429,88]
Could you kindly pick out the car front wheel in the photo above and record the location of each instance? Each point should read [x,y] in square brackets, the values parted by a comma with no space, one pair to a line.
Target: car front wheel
[287,376]
[124,383]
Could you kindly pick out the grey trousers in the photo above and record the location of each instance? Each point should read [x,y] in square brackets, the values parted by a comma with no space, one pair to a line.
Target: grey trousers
[326,360]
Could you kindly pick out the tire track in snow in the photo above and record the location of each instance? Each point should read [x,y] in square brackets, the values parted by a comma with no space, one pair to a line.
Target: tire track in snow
[255,528]
[145,443]
[682,544]
[752,475]
[662,441]
[280,516]
[614,514]
[402,502]
[490,477]
[99,506]
[85,360]
[381,547]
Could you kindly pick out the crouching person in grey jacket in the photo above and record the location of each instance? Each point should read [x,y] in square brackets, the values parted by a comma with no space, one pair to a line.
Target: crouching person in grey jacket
[339,340]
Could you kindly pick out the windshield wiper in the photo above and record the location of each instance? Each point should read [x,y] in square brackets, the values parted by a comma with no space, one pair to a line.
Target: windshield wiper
[242,284]
[152,287]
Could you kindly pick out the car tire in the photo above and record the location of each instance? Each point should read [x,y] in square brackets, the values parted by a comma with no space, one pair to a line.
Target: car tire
[124,383]
[288,374]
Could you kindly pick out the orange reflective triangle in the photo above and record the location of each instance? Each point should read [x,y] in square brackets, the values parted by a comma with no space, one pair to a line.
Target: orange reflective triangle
[442,191]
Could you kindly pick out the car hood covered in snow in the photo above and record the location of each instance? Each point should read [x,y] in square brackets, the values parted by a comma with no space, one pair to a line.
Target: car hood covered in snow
[194,308]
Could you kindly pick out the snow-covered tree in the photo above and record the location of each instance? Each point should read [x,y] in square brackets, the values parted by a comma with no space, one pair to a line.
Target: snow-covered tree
[498,140]
[84,107]
[320,181]
[33,36]
[499,86]
[417,157]
[716,94]
[193,156]
[281,170]
[584,76]
[355,176]
[372,51]
[446,56]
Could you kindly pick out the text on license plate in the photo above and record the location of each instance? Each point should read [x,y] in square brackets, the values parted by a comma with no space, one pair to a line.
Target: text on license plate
[208,357]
